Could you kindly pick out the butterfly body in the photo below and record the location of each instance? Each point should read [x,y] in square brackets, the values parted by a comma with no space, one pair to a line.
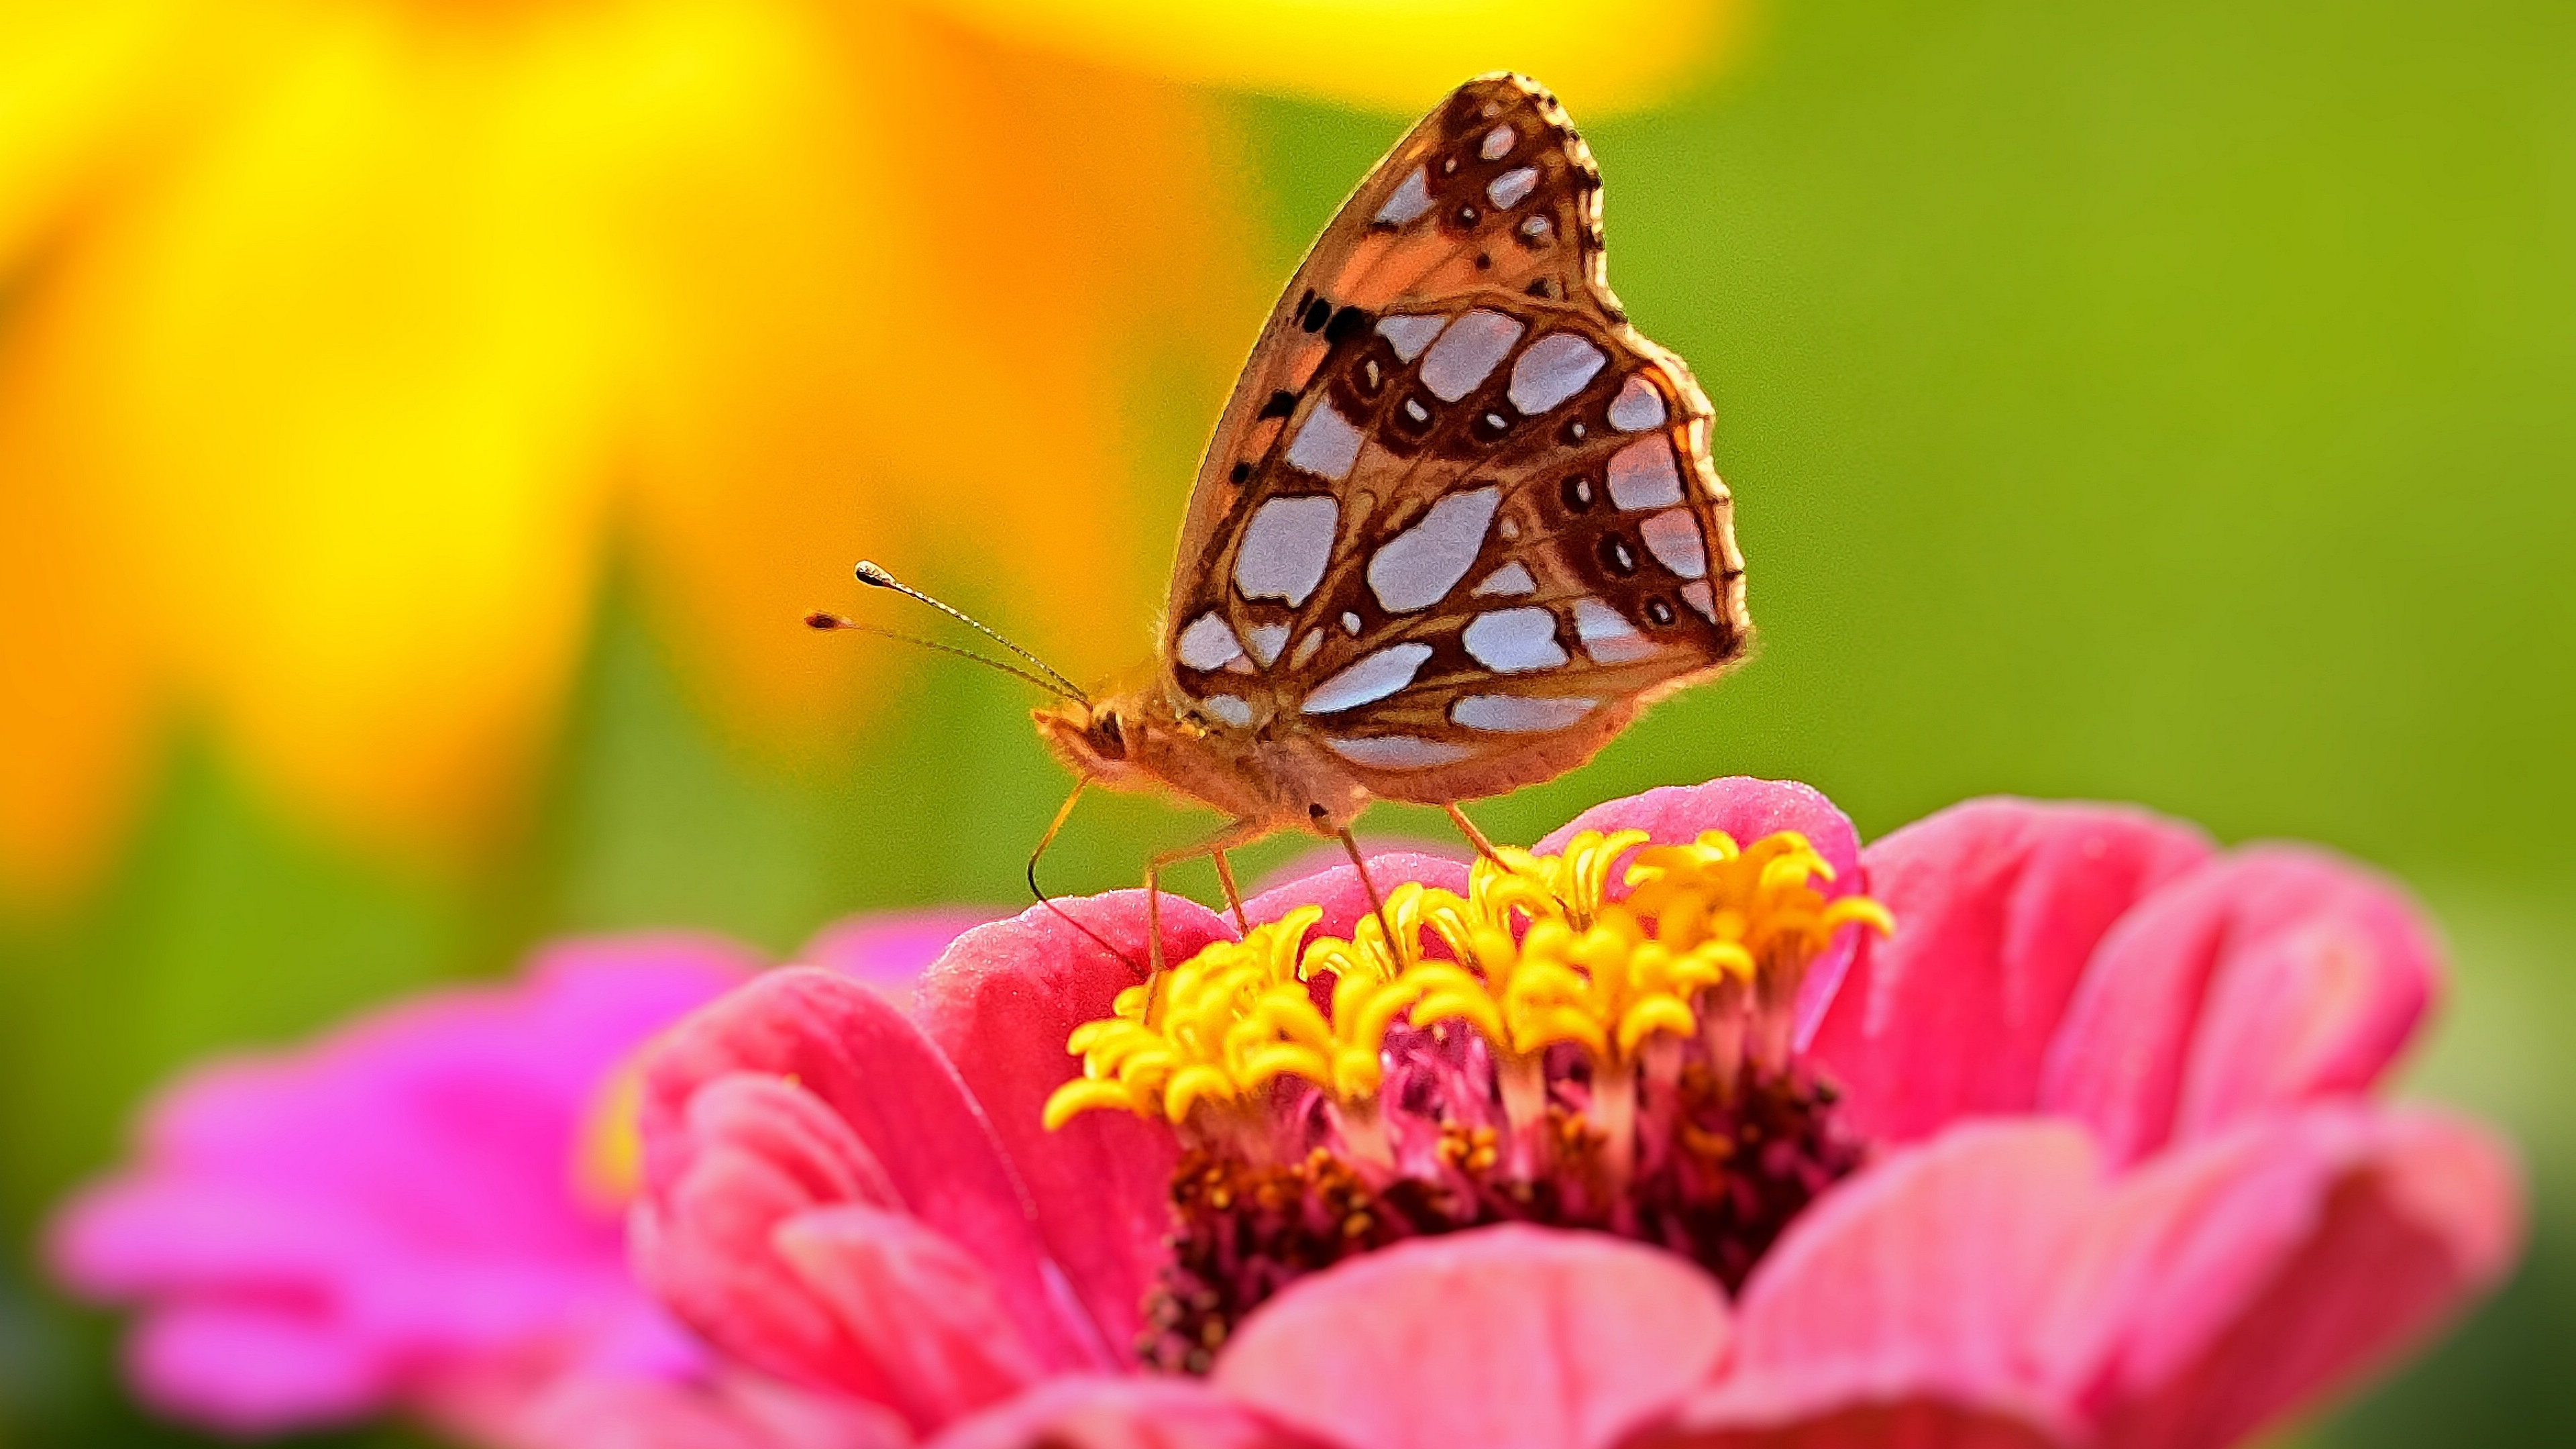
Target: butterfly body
[1458,524]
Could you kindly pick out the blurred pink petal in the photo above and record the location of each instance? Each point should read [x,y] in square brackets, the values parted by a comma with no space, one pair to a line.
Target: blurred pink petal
[890,951]
[1998,906]
[1001,1004]
[1505,1337]
[317,1233]
[2260,979]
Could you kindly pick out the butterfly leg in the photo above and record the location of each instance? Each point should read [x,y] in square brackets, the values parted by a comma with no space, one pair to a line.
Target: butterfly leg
[1377,903]
[1475,837]
[1239,832]
[1233,892]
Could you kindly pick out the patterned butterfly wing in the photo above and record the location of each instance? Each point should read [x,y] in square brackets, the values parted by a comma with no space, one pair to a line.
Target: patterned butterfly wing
[1458,521]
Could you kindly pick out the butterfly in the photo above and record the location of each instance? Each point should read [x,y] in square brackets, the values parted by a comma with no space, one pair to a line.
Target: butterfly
[1457,526]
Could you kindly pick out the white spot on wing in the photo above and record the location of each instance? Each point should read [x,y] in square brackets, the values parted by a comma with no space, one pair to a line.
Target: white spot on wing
[1350,623]
[1370,677]
[1514,641]
[1207,643]
[1418,567]
[1499,143]
[1306,648]
[1234,709]
[1673,536]
[1702,597]
[1553,369]
[1518,714]
[1408,335]
[1326,445]
[1642,475]
[1266,641]
[1285,548]
[1509,189]
[1637,407]
[1467,352]
[1511,579]
[1397,752]
[1606,634]
[1409,200]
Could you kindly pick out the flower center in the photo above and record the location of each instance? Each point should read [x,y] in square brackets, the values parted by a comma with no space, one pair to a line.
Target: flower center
[1533,1051]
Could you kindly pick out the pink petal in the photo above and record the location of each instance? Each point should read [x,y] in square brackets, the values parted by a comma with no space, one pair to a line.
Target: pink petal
[1912,1424]
[250,1369]
[889,951]
[2342,1237]
[1747,809]
[1998,905]
[917,1304]
[1001,1003]
[1119,1413]
[1916,1280]
[732,1410]
[1505,1337]
[752,1153]
[1997,1268]
[860,1057]
[2258,980]
[1345,901]
[312,1231]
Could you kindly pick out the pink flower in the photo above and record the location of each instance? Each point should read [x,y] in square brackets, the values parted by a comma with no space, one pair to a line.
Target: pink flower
[1617,1146]
[423,1211]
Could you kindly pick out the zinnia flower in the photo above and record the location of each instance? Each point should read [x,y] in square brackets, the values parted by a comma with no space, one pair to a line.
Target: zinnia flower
[423,1212]
[2032,1125]
[340,340]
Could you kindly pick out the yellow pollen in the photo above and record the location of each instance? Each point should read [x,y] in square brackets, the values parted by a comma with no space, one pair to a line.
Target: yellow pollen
[1538,954]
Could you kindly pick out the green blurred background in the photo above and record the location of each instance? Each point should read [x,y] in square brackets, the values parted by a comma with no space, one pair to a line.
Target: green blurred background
[2164,403]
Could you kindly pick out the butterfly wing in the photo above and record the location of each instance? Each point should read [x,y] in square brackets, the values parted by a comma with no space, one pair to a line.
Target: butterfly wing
[1458,521]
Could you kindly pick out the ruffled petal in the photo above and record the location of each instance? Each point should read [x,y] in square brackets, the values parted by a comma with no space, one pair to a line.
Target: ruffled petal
[2000,1268]
[916,1303]
[1914,1282]
[1998,905]
[1505,1337]
[856,1055]
[2324,1246]
[1120,1413]
[1001,1003]
[750,1153]
[1748,809]
[2272,975]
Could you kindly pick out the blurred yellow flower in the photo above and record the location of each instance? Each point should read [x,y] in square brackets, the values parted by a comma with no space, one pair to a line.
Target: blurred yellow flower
[344,343]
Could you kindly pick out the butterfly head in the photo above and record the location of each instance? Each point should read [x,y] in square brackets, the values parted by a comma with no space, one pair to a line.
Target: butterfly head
[1113,740]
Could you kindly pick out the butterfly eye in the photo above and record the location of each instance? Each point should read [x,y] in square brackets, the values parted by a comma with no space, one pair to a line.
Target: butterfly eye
[1108,736]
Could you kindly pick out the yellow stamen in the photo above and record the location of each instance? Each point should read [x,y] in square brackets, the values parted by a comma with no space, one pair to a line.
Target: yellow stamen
[1540,953]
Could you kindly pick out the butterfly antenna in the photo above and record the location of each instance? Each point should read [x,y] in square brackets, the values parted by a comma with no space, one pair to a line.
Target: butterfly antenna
[1062,813]
[830,622]
[869,573]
